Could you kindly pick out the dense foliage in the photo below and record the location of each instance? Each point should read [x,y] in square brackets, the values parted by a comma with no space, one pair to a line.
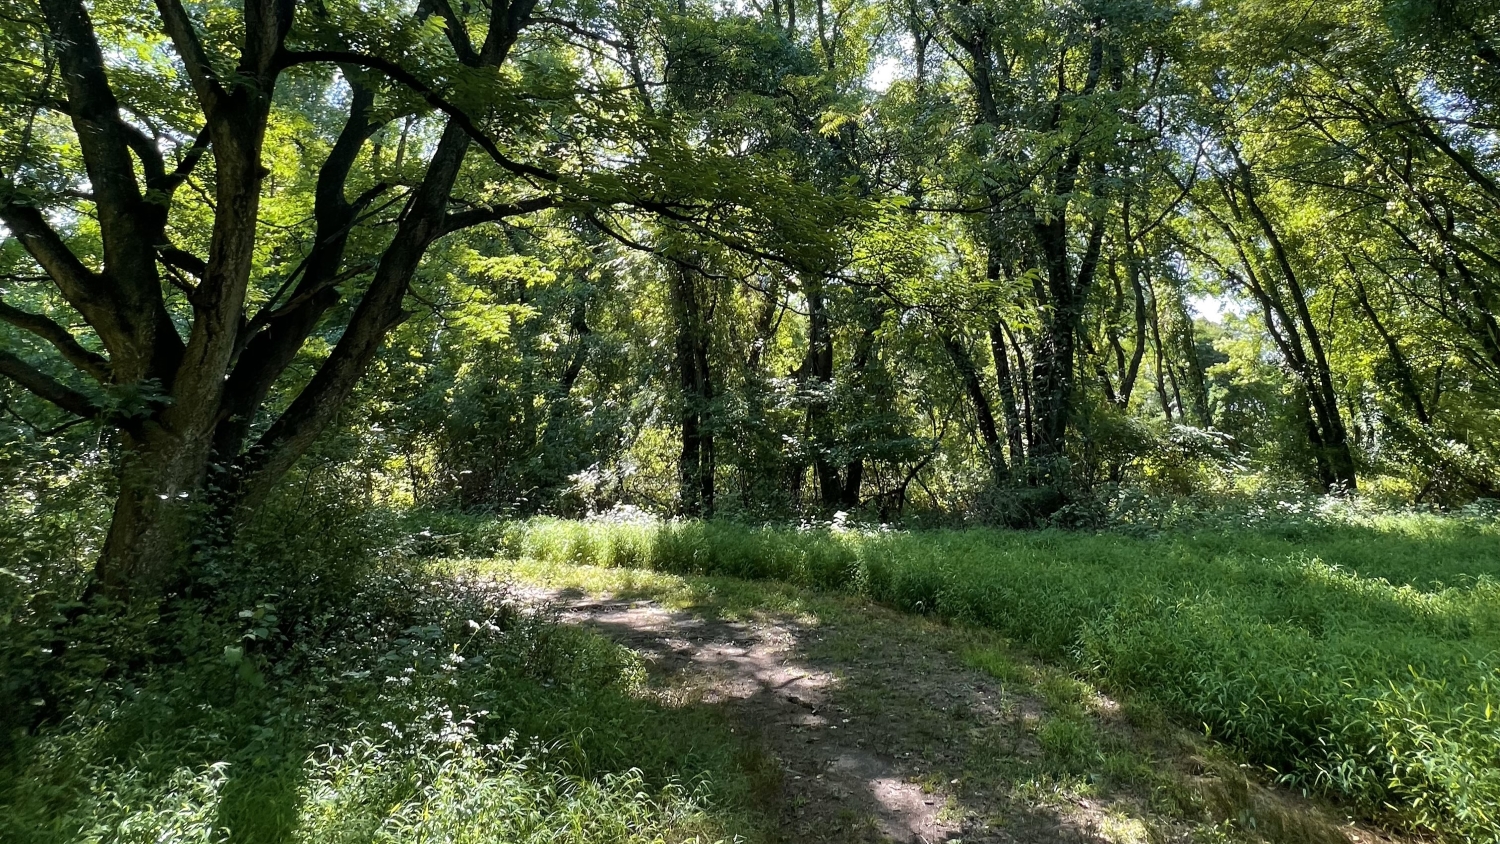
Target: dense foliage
[274,273]
[991,261]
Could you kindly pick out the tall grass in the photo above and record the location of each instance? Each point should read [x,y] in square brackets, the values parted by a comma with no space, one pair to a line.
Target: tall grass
[1355,657]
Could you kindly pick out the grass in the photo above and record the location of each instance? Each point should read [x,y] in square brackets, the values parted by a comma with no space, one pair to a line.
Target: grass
[1053,740]
[1352,657]
[424,708]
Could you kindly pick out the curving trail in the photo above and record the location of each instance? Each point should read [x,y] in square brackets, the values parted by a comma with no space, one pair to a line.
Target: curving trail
[883,734]
[843,778]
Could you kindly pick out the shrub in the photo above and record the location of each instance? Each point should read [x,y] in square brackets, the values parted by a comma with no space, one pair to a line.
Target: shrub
[321,686]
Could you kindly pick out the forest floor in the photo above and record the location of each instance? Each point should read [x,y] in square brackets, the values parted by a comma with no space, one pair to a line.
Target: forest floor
[875,725]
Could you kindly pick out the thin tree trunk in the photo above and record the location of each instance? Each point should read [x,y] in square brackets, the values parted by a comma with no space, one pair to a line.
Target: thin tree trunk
[1334,438]
[1197,386]
[1406,380]
[1287,327]
[985,417]
[1136,273]
[696,463]
[864,352]
[1161,364]
[818,380]
[560,403]
[1028,414]
[1014,433]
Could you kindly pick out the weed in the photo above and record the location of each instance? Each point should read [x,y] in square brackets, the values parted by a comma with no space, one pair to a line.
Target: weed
[996,663]
[373,701]
[1069,743]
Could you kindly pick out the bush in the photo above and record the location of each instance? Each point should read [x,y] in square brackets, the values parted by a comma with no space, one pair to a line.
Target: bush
[54,505]
[323,686]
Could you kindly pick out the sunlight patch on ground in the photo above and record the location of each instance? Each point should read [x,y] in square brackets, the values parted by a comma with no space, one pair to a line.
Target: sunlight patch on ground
[904,724]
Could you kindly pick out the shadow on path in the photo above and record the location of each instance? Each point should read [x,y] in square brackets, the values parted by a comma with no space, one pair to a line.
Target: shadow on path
[866,740]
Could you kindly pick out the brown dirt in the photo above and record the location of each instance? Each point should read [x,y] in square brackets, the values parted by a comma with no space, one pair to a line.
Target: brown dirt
[880,736]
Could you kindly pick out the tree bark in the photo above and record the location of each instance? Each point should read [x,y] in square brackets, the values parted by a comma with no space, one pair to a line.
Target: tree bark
[1014,431]
[984,416]
[1335,458]
[1406,380]
[696,463]
[1136,273]
[817,377]
[864,352]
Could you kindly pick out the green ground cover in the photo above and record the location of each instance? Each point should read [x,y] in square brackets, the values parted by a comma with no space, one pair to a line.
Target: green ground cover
[1354,657]
[372,696]
[401,703]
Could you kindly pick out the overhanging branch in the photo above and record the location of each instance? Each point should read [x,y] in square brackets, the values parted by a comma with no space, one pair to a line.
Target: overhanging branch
[189,47]
[65,343]
[402,76]
[477,216]
[46,387]
[83,289]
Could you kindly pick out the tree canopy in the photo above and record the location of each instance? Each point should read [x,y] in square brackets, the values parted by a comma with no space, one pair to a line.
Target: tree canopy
[1009,262]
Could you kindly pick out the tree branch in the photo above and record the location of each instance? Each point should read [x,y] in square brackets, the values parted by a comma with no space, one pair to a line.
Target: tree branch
[457,34]
[189,47]
[126,306]
[581,32]
[183,260]
[93,364]
[145,149]
[185,167]
[83,289]
[46,387]
[478,216]
[402,76]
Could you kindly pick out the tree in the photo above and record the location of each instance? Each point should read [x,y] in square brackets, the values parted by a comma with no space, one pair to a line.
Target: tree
[161,236]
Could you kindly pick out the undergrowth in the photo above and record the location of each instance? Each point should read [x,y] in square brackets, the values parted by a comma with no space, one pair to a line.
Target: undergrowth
[322,687]
[1354,657]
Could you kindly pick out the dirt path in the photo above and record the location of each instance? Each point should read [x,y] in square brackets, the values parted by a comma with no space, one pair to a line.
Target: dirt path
[884,734]
[845,778]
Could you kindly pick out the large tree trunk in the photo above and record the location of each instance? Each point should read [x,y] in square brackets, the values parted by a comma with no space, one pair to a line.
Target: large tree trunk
[1054,359]
[838,487]
[202,393]
[1159,370]
[165,452]
[146,548]
[1063,289]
